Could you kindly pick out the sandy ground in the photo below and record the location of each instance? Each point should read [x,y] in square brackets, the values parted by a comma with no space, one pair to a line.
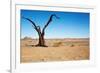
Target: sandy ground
[57,50]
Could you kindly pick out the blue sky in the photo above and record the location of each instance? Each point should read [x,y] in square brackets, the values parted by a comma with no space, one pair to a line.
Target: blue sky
[70,24]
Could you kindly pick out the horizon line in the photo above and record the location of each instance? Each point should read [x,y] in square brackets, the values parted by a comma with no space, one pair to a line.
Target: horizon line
[60,38]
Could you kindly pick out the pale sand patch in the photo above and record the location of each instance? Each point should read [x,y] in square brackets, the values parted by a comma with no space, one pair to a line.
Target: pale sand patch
[64,53]
[57,50]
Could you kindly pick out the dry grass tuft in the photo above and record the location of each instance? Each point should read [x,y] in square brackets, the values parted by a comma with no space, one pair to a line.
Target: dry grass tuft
[57,44]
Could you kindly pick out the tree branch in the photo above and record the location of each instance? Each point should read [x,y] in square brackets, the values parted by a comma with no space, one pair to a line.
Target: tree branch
[50,19]
[39,30]
[35,27]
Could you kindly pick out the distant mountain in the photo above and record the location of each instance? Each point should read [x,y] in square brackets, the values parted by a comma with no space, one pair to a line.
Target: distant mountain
[27,38]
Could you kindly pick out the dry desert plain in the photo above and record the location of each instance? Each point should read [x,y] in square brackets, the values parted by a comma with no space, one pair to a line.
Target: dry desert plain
[67,49]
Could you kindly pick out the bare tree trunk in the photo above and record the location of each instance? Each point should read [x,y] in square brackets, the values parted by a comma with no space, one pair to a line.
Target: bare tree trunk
[41,41]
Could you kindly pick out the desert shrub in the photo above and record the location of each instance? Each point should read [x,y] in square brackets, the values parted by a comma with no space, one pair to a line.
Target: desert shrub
[72,45]
[26,44]
[57,44]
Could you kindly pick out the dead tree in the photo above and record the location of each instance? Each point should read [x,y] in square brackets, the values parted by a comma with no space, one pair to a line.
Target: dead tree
[40,32]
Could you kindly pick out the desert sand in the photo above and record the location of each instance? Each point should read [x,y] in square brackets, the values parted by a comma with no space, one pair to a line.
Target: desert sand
[67,49]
